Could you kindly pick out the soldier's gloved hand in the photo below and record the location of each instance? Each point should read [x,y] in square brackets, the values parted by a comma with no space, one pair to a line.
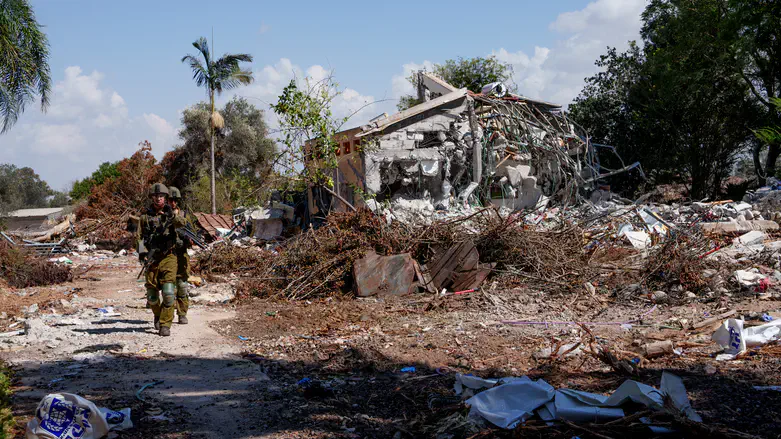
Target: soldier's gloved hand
[142,257]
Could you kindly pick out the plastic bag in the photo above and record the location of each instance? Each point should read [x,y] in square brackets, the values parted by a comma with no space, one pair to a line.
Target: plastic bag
[69,416]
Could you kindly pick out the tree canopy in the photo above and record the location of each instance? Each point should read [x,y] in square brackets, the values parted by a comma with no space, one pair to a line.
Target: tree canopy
[82,188]
[22,188]
[243,149]
[470,73]
[679,103]
[24,61]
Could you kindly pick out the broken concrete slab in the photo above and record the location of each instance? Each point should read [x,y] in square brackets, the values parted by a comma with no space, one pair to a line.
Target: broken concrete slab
[727,227]
[384,275]
[267,229]
[750,238]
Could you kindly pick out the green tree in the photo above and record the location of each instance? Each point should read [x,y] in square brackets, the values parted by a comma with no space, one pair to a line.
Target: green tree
[244,152]
[217,76]
[756,26]
[771,134]
[310,135]
[470,73]
[678,104]
[59,199]
[81,189]
[24,61]
[21,188]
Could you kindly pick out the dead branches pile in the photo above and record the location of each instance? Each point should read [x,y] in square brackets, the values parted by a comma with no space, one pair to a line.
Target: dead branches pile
[319,262]
[678,261]
[22,269]
[103,218]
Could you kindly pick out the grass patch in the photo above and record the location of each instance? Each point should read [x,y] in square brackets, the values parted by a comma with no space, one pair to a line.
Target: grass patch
[6,415]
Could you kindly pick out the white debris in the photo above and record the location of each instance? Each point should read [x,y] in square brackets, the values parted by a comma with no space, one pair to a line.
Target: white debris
[749,278]
[751,238]
[514,400]
[735,339]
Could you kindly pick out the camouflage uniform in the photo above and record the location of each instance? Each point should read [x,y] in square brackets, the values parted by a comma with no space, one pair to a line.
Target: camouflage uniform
[182,261]
[157,233]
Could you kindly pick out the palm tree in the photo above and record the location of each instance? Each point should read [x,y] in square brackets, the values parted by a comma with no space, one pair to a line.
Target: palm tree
[217,76]
[24,61]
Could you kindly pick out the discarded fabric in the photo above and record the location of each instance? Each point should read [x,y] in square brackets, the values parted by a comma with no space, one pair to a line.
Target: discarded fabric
[409,369]
[511,401]
[65,415]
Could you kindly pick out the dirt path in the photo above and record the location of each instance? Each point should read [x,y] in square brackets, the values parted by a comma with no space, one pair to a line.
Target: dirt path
[107,358]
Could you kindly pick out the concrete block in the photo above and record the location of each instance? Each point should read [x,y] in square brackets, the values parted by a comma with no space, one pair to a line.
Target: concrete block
[751,238]
[267,229]
[727,227]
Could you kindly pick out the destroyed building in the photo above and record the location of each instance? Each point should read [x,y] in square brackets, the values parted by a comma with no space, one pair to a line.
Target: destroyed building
[458,147]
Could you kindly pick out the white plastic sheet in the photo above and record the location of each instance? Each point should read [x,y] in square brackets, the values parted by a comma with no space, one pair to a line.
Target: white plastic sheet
[735,339]
[749,278]
[69,416]
[507,405]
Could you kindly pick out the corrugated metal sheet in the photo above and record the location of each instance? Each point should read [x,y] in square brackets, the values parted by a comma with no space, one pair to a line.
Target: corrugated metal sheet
[211,222]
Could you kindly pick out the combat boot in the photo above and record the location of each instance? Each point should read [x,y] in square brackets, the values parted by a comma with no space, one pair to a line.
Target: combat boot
[182,320]
[157,323]
[165,331]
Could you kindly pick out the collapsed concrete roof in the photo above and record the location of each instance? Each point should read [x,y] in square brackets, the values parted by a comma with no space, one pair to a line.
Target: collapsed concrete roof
[512,151]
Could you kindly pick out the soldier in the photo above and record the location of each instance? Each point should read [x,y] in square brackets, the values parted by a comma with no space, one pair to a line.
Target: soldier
[157,239]
[182,258]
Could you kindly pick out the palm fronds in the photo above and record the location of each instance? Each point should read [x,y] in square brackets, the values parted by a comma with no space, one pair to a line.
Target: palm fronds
[24,61]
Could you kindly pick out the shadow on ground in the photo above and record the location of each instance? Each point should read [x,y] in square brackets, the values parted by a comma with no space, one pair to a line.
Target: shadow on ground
[353,393]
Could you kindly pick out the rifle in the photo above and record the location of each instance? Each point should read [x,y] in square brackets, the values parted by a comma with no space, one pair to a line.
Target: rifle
[152,237]
[187,232]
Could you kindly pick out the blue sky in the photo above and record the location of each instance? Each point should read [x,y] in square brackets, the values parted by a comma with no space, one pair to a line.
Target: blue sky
[119,79]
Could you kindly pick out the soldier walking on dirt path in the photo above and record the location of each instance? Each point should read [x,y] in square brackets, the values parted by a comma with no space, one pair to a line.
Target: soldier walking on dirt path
[156,245]
[182,258]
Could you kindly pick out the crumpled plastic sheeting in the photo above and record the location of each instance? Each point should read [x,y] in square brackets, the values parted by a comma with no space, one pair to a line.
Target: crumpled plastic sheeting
[736,340]
[749,278]
[518,399]
[69,416]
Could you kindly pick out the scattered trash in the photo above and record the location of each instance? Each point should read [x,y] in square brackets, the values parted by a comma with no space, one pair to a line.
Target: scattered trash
[66,415]
[108,312]
[408,369]
[242,338]
[773,388]
[515,400]
[61,260]
[144,387]
[304,381]
[735,339]
[657,349]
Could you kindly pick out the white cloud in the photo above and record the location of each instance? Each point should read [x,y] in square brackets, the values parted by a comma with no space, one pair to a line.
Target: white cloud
[165,133]
[64,139]
[264,28]
[557,73]
[270,80]
[399,83]
[117,101]
[87,123]
[103,121]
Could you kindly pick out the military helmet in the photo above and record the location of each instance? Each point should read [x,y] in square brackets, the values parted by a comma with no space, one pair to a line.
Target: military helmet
[174,193]
[158,188]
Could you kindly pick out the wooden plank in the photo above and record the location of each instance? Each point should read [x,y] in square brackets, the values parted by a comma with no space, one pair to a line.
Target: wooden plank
[716,319]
